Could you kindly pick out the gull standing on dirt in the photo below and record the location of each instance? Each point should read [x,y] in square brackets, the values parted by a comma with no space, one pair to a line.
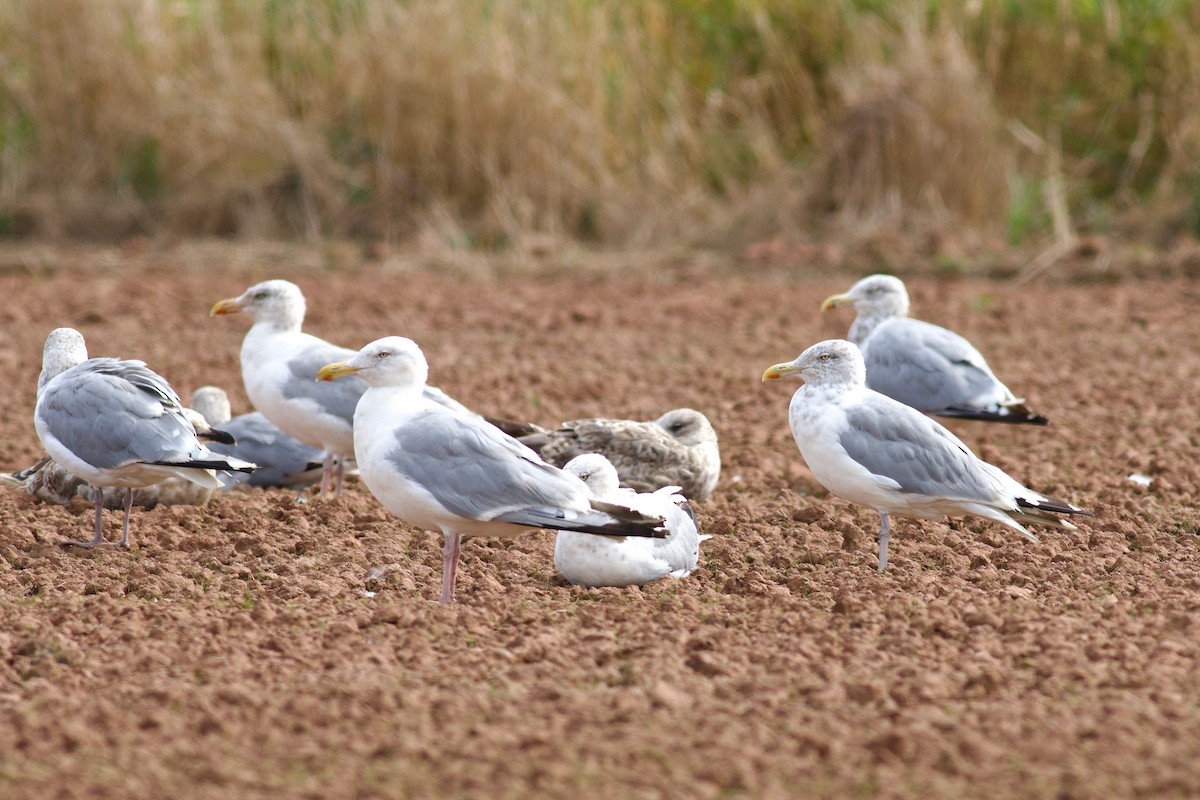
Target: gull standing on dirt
[932,369]
[279,366]
[677,449]
[873,450]
[589,560]
[438,468]
[283,461]
[117,423]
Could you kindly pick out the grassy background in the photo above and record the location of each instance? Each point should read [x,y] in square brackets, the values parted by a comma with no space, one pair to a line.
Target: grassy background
[483,122]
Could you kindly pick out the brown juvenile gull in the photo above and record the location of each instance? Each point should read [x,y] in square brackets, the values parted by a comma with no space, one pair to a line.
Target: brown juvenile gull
[438,468]
[922,365]
[279,364]
[282,460]
[677,449]
[871,449]
[114,422]
[627,560]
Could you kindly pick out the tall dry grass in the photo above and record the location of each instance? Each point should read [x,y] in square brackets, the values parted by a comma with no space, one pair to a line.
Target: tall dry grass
[488,120]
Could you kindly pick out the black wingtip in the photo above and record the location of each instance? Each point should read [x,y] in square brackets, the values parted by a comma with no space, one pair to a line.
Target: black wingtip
[1055,505]
[515,429]
[219,466]
[217,435]
[1010,416]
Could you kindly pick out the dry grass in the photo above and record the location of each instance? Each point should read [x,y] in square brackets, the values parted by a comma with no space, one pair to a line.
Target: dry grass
[486,122]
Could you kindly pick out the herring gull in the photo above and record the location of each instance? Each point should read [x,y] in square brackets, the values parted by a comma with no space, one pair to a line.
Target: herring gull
[282,460]
[625,560]
[279,364]
[873,450]
[113,422]
[677,449]
[923,365]
[437,468]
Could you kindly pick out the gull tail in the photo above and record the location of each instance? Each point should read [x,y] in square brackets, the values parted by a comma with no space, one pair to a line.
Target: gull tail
[1014,415]
[605,519]
[1045,511]
[220,464]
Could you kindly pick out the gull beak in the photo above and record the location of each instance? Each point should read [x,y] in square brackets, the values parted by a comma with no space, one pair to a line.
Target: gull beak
[338,369]
[836,300]
[780,371]
[231,306]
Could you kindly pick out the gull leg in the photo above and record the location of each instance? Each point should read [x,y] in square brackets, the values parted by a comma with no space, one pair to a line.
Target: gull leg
[450,553]
[326,472]
[883,540]
[128,507]
[339,470]
[99,539]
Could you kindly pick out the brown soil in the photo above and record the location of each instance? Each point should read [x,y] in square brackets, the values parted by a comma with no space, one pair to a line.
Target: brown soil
[264,645]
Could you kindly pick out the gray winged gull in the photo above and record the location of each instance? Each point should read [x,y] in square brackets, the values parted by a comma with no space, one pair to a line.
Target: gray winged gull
[923,365]
[279,363]
[677,449]
[283,461]
[116,423]
[589,560]
[873,450]
[437,468]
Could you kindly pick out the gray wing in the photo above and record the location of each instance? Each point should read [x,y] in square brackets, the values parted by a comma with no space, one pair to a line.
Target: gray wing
[924,458]
[111,412]
[928,367]
[476,471]
[441,398]
[281,459]
[339,397]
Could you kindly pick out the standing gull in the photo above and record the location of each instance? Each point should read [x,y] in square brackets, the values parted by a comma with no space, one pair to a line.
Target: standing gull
[625,560]
[282,460]
[437,468]
[279,364]
[922,365]
[871,449]
[117,423]
[677,449]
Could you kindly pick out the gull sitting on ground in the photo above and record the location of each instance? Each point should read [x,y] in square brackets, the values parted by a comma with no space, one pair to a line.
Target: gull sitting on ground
[437,468]
[873,450]
[589,560]
[279,364]
[116,423]
[677,449]
[922,365]
[283,461]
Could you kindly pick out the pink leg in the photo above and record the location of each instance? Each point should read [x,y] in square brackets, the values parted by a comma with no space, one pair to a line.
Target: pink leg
[450,553]
[339,471]
[326,473]
[125,530]
[99,540]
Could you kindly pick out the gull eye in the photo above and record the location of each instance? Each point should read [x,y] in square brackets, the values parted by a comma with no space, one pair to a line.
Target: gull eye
[824,357]
[383,354]
[263,295]
[677,427]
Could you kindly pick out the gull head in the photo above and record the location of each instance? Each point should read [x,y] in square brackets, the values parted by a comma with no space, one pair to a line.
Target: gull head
[687,426]
[597,472]
[64,349]
[391,361]
[276,301]
[213,404]
[834,361]
[873,296]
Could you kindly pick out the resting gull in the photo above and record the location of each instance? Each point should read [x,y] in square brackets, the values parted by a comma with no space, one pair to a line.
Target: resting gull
[279,363]
[589,560]
[113,422]
[922,365]
[437,468]
[677,449]
[871,449]
[283,461]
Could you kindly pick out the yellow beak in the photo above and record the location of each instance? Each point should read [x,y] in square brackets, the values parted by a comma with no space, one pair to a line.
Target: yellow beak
[836,300]
[231,306]
[778,371]
[338,369]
